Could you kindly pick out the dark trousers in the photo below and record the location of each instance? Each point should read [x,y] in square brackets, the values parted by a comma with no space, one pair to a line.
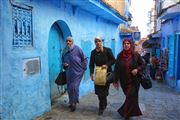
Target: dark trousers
[102,102]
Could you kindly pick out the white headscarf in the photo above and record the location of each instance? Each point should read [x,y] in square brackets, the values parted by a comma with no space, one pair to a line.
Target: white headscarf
[99,38]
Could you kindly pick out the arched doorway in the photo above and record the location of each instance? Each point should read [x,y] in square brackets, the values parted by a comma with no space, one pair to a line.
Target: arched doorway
[56,42]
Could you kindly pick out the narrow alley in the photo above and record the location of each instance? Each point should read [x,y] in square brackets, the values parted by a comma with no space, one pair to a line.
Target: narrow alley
[157,103]
[34,49]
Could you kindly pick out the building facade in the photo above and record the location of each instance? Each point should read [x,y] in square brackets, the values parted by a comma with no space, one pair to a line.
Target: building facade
[170,40]
[167,35]
[33,34]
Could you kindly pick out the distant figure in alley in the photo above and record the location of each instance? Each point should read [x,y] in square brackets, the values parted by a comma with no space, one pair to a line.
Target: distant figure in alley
[74,63]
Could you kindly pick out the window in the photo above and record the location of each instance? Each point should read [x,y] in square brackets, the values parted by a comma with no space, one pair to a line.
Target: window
[22,31]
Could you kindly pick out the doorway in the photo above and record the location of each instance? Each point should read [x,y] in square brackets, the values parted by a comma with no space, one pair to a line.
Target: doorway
[56,42]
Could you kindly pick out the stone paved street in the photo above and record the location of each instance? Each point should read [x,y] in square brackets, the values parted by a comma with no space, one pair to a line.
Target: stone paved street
[158,103]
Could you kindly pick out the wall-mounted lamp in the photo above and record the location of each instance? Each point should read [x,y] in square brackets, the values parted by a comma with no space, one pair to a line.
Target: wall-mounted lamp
[129,21]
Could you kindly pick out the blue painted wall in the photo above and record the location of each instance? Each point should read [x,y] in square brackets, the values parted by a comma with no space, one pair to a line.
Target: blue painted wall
[27,97]
[170,30]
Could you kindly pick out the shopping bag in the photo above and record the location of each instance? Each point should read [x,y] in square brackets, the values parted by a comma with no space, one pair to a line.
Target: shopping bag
[110,78]
[100,76]
[145,80]
[61,79]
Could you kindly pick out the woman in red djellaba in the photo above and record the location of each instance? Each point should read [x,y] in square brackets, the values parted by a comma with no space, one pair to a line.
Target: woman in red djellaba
[128,65]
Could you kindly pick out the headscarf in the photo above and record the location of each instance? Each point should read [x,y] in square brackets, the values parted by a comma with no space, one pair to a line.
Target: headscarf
[127,53]
[67,49]
[99,38]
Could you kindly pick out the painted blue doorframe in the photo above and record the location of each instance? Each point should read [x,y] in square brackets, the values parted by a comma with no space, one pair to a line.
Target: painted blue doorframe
[171,60]
[55,46]
[178,56]
[178,62]
[158,53]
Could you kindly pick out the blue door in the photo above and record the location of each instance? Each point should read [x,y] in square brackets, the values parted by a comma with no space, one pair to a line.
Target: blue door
[55,46]
[178,57]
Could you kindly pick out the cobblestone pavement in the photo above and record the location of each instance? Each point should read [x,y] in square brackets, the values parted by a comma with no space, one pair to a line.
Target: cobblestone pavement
[157,103]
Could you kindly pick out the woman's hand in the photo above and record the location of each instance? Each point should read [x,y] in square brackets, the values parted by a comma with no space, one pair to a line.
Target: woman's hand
[92,77]
[116,85]
[134,71]
[104,66]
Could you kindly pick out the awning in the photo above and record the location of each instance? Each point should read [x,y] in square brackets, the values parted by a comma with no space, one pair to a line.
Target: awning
[154,40]
[99,9]
[125,32]
[156,35]
[150,43]
[171,12]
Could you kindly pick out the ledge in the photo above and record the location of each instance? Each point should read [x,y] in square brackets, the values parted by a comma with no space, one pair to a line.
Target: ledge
[98,8]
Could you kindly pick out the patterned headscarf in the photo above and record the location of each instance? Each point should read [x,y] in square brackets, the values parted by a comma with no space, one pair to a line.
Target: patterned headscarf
[127,53]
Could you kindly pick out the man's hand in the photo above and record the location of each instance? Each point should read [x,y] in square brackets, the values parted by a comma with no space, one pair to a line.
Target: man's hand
[66,65]
[134,72]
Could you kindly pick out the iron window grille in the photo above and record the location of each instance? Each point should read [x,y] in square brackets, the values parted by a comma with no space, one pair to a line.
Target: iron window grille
[22,27]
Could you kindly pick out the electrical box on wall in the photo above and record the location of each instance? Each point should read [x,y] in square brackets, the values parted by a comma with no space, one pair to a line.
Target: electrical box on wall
[31,66]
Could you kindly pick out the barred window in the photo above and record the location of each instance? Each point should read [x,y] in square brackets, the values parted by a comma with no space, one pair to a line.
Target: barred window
[22,31]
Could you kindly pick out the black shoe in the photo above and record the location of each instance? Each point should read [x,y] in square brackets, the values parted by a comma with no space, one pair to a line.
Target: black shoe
[100,112]
[73,108]
[126,118]
[104,107]
[70,106]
